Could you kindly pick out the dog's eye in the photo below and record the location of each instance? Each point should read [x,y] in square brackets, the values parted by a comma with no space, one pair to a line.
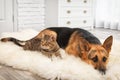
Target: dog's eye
[104,59]
[95,59]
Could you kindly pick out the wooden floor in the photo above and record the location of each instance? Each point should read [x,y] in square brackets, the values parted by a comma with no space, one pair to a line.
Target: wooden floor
[8,73]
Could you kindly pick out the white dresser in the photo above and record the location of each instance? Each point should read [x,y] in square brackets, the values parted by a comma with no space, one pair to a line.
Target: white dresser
[76,13]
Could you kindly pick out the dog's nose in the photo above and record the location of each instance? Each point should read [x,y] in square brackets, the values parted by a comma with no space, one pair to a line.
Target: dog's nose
[103,71]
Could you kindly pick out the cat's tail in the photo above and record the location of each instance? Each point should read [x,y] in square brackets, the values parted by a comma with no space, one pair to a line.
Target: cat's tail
[14,40]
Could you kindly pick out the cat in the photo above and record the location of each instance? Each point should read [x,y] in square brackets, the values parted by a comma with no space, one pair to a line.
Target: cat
[49,46]
[46,44]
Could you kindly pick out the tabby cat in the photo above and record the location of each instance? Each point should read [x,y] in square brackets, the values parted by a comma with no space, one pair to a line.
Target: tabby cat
[46,44]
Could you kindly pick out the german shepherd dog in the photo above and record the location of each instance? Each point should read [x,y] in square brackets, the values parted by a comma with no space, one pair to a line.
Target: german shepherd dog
[83,44]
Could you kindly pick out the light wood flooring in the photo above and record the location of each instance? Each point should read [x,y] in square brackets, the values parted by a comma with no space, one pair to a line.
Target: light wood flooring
[8,73]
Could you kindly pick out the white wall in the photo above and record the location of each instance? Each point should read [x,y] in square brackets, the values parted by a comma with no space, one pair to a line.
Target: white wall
[51,13]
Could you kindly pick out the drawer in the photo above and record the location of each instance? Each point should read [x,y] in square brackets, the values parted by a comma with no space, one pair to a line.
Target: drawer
[81,22]
[75,12]
[75,2]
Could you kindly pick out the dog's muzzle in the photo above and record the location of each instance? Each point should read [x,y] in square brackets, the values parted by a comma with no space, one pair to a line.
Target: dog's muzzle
[102,71]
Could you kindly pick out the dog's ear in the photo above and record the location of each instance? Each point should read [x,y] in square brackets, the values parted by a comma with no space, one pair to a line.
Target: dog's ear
[108,43]
[84,45]
[84,48]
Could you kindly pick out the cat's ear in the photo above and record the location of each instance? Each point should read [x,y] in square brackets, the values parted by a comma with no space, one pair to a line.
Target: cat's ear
[42,35]
[53,38]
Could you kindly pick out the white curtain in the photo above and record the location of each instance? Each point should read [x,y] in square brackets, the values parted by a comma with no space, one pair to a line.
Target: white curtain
[108,14]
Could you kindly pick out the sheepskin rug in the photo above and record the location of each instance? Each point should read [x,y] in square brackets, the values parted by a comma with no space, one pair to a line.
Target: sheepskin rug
[68,68]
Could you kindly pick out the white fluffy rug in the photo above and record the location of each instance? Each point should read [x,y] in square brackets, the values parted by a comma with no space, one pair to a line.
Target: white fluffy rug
[69,68]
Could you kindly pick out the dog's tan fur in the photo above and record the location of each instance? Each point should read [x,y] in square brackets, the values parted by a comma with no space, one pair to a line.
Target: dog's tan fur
[80,47]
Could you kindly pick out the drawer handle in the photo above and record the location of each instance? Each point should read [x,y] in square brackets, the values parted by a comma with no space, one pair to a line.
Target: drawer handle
[84,11]
[68,1]
[84,21]
[68,11]
[68,22]
[85,1]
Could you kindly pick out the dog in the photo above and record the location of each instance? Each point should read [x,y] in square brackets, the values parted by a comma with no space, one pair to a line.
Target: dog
[83,44]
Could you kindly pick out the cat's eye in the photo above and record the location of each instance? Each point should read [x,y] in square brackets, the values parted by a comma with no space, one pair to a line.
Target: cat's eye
[104,59]
[95,59]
